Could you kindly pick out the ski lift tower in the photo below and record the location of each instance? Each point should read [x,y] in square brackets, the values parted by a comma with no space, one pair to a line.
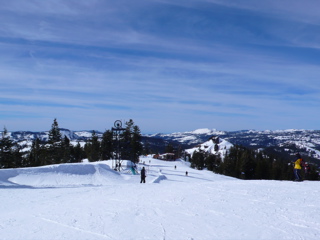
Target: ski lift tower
[117,130]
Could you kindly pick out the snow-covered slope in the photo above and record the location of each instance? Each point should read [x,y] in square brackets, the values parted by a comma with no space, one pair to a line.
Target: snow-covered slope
[221,147]
[189,138]
[91,201]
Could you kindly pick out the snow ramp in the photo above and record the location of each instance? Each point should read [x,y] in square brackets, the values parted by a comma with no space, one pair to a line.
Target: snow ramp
[60,175]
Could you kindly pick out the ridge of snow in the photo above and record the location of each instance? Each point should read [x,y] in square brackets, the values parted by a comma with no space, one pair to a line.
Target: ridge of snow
[59,175]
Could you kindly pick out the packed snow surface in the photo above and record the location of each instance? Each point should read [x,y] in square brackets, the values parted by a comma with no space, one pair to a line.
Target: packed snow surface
[92,201]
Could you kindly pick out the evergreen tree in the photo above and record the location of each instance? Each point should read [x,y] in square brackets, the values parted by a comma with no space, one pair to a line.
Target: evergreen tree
[169,148]
[136,146]
[213,163]
[262,167]
[146,148]
[247,166]
[125,142]
[197,160]
[209,162]
[10,155]
[93,148]
[107,145]
[130,144]
[231,165]
[77,153]
[54,133]
[54,147]
[66,150]
[35,154]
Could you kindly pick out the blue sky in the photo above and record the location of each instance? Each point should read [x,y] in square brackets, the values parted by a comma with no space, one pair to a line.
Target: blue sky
[171,67]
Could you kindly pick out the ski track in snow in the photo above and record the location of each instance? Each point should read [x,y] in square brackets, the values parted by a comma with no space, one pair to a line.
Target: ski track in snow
[91,201]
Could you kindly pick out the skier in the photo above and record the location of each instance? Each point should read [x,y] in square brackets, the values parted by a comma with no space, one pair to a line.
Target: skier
[143,175]
[297,168]
[307,171]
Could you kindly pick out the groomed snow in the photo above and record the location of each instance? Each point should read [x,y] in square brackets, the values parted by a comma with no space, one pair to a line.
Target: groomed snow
[91,201]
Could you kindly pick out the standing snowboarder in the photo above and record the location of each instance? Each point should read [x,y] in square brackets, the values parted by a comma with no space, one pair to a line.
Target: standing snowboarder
[297,168]
[143,175]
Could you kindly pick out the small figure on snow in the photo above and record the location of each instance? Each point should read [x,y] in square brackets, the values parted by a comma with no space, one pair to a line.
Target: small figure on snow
[186,173]
[143,175]
[307,171]
[175,167]
[297,167]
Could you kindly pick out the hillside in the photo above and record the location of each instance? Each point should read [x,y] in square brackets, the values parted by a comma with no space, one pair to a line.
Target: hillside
[91,201]
[285,142]
[282,142]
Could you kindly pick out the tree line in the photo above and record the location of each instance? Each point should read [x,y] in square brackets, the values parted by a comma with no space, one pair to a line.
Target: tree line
[244,163]
[58,149]
[239,162]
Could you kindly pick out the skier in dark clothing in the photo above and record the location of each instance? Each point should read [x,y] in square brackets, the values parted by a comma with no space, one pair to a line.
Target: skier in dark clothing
[307,171]
[143,175]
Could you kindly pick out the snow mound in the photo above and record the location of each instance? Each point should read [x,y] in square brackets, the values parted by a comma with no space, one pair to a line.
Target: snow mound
[60,175]
[159,178]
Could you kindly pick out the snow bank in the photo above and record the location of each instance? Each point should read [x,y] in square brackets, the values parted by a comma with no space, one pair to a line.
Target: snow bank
[159,178]
[60,175]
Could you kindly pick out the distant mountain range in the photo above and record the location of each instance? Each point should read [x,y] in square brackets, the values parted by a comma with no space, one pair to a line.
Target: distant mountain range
[281,142]
[286,142]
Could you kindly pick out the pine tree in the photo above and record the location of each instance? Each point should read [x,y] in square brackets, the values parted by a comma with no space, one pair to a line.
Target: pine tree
[210,161]
[77,153]
[197,160]
[93,148]
[10,155]
[169,148]
[54,147]
[125,142]
[107,145]
[213,163]
[130,144]
[247,166]
[66,150]
[54,133]
[136,146]
[35,154]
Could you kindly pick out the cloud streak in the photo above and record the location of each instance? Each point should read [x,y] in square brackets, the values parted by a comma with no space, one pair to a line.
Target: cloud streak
[169,66]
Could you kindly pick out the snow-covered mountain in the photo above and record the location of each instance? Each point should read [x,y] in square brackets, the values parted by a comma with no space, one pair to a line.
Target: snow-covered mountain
[188,138]
[44,135]
[307,142]
[289,141]
[215,146]
[25,138]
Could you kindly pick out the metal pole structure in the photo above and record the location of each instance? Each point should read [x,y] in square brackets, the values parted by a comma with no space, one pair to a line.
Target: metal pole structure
[117,130]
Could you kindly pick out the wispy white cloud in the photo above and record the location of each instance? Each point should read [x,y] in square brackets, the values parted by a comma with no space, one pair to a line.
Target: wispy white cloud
[180,65]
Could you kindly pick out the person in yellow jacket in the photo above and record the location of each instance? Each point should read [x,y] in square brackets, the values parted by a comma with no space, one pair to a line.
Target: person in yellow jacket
[297,167]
